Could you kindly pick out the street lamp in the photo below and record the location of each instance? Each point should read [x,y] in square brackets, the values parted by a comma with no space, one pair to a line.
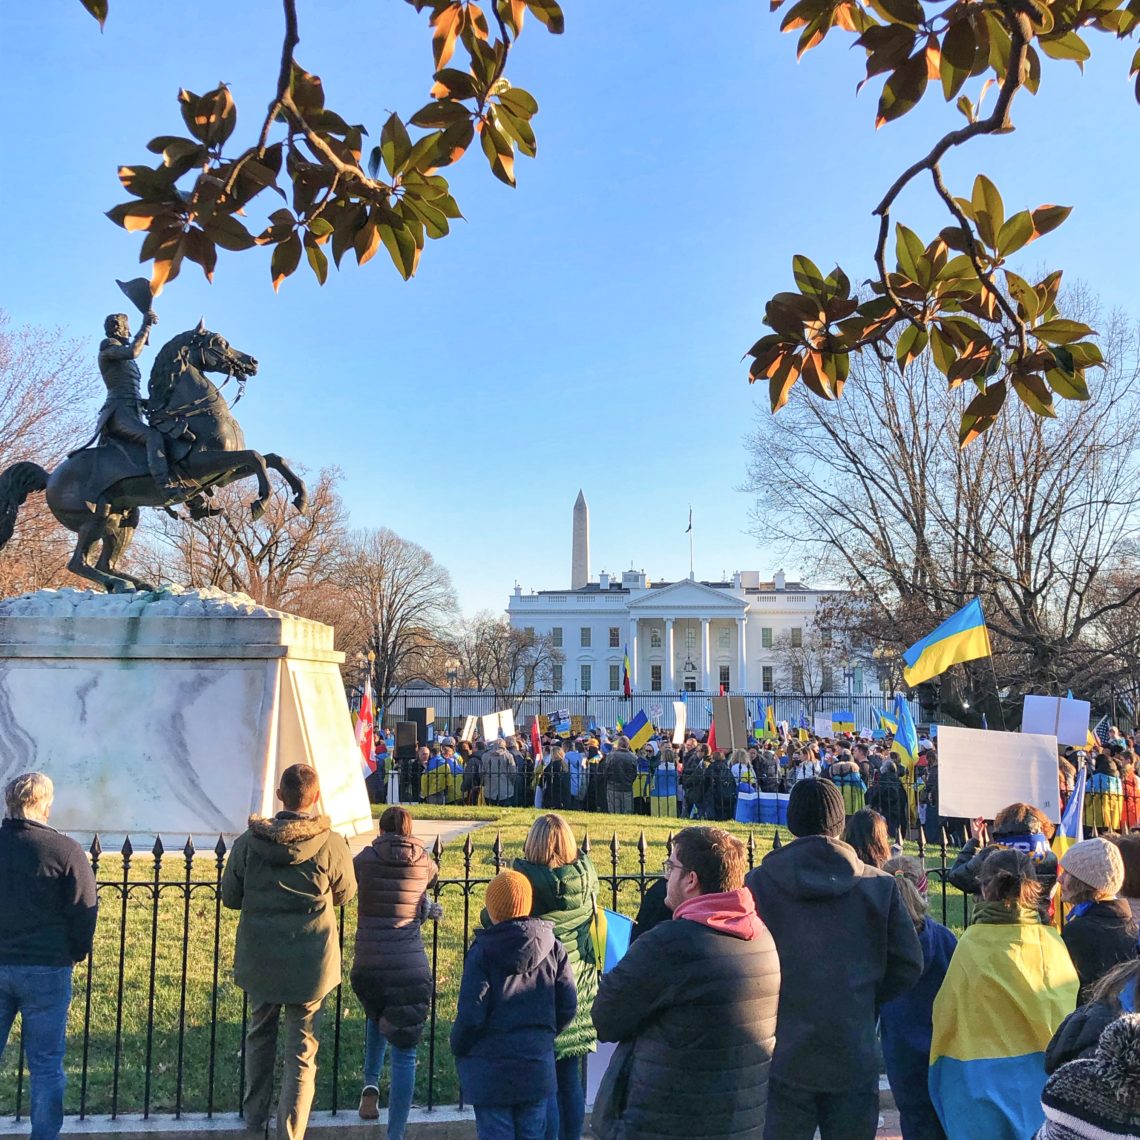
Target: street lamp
[452,666]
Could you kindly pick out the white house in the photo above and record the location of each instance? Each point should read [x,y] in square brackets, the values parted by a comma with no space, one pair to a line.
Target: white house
[684,635]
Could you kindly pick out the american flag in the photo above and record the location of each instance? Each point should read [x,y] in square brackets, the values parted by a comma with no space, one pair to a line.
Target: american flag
[1100,730]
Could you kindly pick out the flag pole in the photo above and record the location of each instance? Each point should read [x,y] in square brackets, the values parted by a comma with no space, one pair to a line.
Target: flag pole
[997,686]
[691,575]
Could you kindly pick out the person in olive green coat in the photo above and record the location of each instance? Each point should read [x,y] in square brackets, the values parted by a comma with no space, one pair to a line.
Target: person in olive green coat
[565,888]
[287,876]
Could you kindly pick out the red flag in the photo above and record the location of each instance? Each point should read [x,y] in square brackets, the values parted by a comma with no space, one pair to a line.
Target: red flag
[364,732]
[535,740]
[712,735]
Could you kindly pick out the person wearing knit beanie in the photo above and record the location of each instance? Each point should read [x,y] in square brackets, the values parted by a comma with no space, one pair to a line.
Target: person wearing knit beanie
[815,807]
[1097,1098]
[1099,929]
[509,895]
[1097,864]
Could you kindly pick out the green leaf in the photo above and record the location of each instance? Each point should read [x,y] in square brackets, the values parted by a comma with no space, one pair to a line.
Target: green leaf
[903,89]
[912,341]
[317,260]
[1035,395]
[401,247]
[395,144]
[550,14]
[1048,218]
[908,250]
[286,258]
[959,46]
[808,278]
[941,350]
[519,102]
[1061,331]
[1068,385]
[908,12]
[441,113]
[1015,233]
[989,211]
[1068,46]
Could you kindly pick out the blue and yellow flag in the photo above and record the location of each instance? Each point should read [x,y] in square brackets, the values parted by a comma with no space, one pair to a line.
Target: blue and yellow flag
[961,637]
[770,728]
[611,933]
[886,723]
[842,720]
[639,730]
[905,744]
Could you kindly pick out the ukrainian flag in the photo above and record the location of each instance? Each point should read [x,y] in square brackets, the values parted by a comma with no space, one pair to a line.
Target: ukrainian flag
[886,723]
[1070,831]
[611,933]
[770,728]
[843,720]
[905,744]
[961,637]
[639,730]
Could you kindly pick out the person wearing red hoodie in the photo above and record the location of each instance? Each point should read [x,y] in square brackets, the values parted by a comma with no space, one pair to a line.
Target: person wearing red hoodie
[693,1004]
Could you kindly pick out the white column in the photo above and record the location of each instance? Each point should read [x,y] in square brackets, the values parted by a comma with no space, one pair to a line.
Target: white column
[705,654]
[742,657]
[670,679]
[633,654]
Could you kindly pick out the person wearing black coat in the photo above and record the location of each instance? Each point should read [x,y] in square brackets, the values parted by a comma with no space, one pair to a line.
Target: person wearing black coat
[693,1003]
[516,995]
[390,971]
[1099,929]
[1078,1034]
[816,895]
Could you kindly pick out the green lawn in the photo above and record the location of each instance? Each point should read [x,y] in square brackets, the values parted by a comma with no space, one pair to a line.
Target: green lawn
[177,934]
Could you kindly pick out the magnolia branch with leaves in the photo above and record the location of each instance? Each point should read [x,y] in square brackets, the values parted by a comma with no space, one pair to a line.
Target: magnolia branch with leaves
[194,200]
[984,324]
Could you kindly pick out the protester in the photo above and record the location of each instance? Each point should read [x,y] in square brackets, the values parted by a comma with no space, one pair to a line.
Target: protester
[815,894]
[1009,986]
[564,887]
[888,797]
[390,971]
[48,909]
[1077,1035]
[906,1023]
[516,995]
[845,775]
[693,1004]
[498,774]
[1098,1097]
[287,876]
[1099,929]
[718,789]
[1020,826]
[620,770]
[1129,847]
[866,832]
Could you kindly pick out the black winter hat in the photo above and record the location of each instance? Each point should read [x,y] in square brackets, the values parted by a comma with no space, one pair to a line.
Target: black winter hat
[1099,1097]
[815,807]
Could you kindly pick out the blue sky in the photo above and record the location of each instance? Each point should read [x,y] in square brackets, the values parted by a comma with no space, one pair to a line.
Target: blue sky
[583,330]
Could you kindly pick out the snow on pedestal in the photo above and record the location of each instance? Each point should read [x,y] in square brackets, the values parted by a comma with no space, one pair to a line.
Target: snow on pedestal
[172,713]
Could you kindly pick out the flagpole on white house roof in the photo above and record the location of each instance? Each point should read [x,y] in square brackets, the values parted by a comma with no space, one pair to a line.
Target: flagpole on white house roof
[689,532]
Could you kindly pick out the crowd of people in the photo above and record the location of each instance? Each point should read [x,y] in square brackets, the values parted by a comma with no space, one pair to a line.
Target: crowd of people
[750,1004]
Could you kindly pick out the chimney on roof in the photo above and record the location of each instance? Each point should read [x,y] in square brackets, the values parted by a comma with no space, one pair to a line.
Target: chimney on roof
[779,581]
[603,581]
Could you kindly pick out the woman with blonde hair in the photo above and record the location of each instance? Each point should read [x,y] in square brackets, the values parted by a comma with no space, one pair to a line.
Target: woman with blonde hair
[906,1024]
[565,889]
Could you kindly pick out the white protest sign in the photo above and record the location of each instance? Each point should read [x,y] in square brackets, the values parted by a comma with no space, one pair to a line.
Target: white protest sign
[821,725]
[507,722]
[498,723]
[680,716]
[1062,717]
[980,772]
[470,726]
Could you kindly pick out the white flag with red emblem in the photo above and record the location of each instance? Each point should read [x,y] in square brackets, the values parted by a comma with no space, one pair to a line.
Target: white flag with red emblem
[364,721]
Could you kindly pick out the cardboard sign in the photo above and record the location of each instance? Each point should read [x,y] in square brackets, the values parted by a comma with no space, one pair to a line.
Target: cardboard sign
[981,771]
[731,717]
[577,724]
[498,724]
[543,722]
[470,727]
[821,725]
[680,717]
[1062,717]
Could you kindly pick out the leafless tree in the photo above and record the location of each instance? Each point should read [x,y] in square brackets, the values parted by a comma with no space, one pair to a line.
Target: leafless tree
[48,386]
[399,604]
[1032,520]
[511,662]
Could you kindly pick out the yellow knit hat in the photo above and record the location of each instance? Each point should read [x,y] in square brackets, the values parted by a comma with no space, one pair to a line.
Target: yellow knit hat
[509,895]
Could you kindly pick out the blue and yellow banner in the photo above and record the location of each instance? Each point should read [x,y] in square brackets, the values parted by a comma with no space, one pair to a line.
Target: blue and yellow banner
[961,637]
[639,730]
[905,744]
[842,720]
[611,933]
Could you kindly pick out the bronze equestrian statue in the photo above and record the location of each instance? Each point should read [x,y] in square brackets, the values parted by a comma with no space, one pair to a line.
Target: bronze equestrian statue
[190,445]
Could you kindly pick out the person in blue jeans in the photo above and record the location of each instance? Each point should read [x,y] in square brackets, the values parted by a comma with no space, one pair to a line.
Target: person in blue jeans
[517,994]
[48,909]
[390,971]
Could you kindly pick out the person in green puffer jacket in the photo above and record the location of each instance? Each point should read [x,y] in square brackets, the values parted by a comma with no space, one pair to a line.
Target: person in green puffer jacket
[565,888]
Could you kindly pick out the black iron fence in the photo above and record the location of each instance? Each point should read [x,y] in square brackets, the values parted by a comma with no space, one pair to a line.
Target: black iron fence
[157,1025]
[607,708]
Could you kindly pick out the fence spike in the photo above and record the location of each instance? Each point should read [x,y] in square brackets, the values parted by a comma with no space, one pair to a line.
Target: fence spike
[669,844]
[158,850]
[642,846]
[220,848]
[437,849]
[615,845]
[127,850]
[586,842]
[96,847]
[188,850]
[468,847]
[921,842]
[777,842]
[497,850]
[751,849]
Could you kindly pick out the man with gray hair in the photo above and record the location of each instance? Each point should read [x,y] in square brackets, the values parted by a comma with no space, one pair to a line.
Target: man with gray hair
[48,907]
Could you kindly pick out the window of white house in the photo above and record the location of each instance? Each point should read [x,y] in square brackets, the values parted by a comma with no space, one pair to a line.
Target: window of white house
[654,639]
[798,678]
[615,678]
[724,638]
[655,678]
[615,634]
[828,679]
[797,638]
[556,677]
[584,637]
[556,637]
[724,677]
[766,636]
[766,682]
[690,640]
[584,678]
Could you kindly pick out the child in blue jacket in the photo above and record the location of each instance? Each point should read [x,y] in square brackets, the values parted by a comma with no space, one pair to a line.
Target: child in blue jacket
[516,996]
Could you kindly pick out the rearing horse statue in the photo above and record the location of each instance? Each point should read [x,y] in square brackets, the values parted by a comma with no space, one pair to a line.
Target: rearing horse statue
[97,491]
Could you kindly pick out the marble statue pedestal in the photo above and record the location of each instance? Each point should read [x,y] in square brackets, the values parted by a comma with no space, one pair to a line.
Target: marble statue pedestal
[172,713]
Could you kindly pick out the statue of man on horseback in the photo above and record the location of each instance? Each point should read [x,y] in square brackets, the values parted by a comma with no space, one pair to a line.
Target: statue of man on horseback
[188,444]
[121,416]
